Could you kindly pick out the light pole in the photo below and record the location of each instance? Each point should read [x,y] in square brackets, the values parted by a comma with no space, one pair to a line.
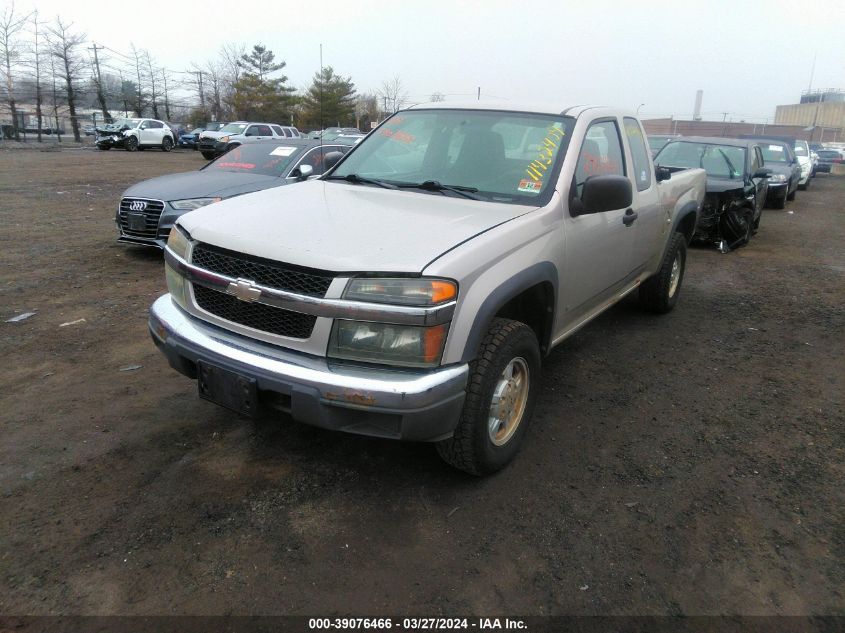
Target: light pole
[638,108]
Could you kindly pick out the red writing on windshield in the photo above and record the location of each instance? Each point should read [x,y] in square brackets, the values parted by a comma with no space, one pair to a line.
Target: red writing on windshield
[398,135]
[237,165]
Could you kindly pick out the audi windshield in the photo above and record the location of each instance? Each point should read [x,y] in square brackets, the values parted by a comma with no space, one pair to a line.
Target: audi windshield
[510,157]
[263,159]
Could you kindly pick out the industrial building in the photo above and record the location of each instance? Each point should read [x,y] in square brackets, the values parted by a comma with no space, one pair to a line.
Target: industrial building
[823,111]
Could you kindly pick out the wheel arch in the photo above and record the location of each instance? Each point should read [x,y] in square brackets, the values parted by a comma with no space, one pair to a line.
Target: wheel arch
[530,296]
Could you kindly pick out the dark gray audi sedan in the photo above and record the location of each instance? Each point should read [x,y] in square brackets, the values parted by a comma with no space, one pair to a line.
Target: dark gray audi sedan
[147,210]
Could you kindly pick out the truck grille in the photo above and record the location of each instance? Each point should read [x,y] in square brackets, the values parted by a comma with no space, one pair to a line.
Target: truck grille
[254,315]
[139,217]
[304,281]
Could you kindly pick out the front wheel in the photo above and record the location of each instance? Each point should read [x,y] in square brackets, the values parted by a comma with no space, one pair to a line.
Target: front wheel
[208,155]
[737,226]
[131,143]
[104,148]
[659,293]
[791,196]
[501,393]
[166,144]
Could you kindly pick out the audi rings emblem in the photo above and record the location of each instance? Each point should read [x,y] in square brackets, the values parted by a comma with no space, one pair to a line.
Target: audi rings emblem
[137,205]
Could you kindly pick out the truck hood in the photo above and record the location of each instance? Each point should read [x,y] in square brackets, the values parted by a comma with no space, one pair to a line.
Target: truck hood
[210,134]
[346,228]
[201,184]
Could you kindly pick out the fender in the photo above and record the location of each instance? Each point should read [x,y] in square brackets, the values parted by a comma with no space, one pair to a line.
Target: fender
[541,272]
[683,213]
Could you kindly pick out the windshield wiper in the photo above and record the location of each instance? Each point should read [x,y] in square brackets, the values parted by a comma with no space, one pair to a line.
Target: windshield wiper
[433,185]
[355,179]
[730,164]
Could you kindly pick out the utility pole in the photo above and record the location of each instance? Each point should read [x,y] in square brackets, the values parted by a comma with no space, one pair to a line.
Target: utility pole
[39,98]
[199,87]
[55,98]
[100,96]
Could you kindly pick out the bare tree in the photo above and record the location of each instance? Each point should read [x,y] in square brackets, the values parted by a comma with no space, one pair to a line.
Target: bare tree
[393,95]
[230,55]
[35,63]
[64,44]
[11,25]
[98,82]
[215,78]
[138,104]
[153,92]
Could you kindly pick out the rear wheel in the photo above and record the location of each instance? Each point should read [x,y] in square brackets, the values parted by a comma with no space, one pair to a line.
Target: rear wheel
[659,293]
[131,143]
[166,144]
[500,399]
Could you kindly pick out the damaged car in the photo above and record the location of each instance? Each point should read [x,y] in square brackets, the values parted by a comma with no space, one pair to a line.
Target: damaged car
[737,186]
[135,134]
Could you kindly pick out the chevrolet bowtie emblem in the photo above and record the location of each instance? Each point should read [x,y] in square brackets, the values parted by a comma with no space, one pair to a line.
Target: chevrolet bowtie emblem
[244,290]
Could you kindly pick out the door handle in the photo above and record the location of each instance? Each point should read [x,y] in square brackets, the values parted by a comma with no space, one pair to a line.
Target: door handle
[629,217]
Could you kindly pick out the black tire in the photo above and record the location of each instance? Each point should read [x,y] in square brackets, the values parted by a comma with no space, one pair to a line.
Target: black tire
[780,202]
[166,144]
[208,155]
[472,448]
[737,226]
[131,143]
[791,196]
[658,293]
[104,148]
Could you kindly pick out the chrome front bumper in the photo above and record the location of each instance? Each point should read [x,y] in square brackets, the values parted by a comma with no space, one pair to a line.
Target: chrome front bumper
[381,402]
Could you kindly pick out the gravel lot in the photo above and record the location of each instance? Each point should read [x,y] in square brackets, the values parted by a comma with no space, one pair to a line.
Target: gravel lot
[691,463]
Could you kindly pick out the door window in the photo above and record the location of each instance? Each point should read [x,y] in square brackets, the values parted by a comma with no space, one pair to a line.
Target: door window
[601,154]
[264,130]
[154,125]
[639,154]
[278,130]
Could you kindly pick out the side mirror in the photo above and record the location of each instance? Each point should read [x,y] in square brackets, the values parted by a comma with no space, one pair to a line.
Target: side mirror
[303,172]
[762,173]
[331,159]
[662,173]
[604,193]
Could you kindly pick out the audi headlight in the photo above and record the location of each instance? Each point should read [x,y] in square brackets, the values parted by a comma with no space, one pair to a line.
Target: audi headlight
[777,178]
[192,203]
[180,244]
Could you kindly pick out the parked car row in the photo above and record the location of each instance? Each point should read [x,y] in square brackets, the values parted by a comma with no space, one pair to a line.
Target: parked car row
[213,143]
[743,175]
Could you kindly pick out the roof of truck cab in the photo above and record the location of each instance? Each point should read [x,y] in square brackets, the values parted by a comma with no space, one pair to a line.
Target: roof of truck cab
[520,106]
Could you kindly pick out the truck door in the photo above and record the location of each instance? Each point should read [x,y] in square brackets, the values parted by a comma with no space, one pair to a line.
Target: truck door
[598,246]
[651,222]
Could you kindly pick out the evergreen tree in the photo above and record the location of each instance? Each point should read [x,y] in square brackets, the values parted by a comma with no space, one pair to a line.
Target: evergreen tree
[338,98]
[257,97]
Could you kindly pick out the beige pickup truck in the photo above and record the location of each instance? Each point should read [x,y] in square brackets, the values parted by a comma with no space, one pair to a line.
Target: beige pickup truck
[413,290]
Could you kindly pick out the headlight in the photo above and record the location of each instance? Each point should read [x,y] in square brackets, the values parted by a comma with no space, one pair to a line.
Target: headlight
[223,139]
[419,291]
[192,203]
[409,346]
[179,243]
[777,178]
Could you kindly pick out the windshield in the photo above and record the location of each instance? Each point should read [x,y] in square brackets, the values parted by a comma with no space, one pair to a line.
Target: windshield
[130,123]
[774,153]
[233,128]
[656,142]
[801,150]
[719,161]
[504,156]
[264,159]
[827,153]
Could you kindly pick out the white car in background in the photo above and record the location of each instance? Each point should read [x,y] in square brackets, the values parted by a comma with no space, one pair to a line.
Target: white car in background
[213,144]
[802,153]
[134,134]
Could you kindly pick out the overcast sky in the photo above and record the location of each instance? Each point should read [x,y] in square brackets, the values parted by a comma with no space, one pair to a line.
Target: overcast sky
[747,55]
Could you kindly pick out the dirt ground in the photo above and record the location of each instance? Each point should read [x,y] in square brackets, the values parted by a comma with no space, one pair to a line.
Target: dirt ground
[685,464]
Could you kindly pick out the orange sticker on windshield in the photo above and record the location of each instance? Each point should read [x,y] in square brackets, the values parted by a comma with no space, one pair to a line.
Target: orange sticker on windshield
[530,186]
